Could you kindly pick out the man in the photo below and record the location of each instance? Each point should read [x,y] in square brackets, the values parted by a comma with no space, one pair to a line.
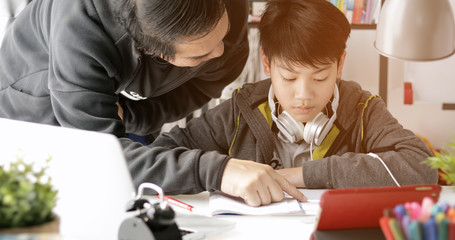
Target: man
[72,63]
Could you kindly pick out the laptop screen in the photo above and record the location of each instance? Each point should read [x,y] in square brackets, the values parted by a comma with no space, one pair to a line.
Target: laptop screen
[87,168]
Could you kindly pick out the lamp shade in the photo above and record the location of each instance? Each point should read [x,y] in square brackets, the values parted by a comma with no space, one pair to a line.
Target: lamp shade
[416,30]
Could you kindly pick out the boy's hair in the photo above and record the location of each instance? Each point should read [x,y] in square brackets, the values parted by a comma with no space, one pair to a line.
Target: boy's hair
[305,32]
[156,25]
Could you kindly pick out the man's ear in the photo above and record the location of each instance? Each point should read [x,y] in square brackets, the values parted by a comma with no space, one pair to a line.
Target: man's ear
[265,63]
[340,65]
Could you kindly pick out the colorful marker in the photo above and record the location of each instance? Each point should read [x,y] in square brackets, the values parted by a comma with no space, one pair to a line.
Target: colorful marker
[430,231]
[416,231]
[425,210]
[442,222]
[395,228]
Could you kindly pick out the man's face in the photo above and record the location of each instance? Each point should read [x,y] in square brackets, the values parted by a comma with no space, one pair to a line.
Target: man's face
[191,52]
[303,91]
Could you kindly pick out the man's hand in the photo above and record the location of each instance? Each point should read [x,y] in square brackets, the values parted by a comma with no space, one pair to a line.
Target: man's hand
[257,184]
[120,110]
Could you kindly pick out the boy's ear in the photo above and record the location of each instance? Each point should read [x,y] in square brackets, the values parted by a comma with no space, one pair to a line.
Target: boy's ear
[340,65]
[265,63]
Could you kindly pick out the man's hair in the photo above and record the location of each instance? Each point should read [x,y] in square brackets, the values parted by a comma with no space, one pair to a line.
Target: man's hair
[156,25]
[305,32]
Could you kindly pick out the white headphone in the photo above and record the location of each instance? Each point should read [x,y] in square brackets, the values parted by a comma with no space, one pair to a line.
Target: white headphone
[312,132]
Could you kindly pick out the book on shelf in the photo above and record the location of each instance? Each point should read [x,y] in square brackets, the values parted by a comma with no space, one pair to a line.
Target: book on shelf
[221,204]
[356,11]
[256,9]
[349,10]
[359,11]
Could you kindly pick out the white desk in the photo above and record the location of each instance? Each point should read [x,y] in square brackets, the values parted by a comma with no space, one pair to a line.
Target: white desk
[253,227]
[270,227]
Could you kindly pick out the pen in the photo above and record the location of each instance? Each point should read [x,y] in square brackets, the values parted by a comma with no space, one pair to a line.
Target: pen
[436,209]
[384,223]
[451,213]
[442,223]
[430,230]
[425,209]
[416,231]
[385,227]
[399,211]
[414,208]
[451,230]
[396,230]
[178,203]
[405,225]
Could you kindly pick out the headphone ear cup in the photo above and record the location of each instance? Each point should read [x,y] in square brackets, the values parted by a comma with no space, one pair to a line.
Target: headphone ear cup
[290,128]
[314,128]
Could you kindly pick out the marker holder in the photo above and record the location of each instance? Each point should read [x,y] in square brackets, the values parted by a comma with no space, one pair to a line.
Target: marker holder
[413,221]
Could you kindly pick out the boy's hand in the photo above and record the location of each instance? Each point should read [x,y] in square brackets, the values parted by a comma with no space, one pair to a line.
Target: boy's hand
[293,175]
[258,184]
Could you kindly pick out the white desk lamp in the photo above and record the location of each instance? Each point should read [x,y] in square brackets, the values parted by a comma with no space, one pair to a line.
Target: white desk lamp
[416,30]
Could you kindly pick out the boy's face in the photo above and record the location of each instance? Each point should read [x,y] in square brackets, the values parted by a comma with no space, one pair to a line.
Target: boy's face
[191,52]
[302,91]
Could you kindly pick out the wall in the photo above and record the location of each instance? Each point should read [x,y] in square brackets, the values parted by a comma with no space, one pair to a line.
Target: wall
[425,118]
[9,9]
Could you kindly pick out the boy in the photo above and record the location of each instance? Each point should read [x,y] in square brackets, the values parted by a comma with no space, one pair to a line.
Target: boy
[316,130]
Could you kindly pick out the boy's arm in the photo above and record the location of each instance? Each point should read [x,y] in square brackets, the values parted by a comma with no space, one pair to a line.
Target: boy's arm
[195,159]
[400,149]
[186,160]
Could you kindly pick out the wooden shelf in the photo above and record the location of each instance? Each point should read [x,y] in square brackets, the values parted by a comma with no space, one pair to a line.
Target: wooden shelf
[353,26]
[363,26]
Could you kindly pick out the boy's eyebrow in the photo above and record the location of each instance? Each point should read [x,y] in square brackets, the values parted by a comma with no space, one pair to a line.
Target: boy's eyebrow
[319,68]
[324,67]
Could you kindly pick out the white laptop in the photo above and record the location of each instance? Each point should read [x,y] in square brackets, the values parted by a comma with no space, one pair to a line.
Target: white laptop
[92,178]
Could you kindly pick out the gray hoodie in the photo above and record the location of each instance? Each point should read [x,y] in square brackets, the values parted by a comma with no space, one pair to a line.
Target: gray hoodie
[66,62]
[242,128]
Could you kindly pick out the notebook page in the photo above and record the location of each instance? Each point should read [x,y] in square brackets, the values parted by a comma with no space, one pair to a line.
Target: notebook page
[220,203]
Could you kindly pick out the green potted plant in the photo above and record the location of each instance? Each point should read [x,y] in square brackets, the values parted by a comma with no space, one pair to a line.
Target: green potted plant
[445,162]
[27,199]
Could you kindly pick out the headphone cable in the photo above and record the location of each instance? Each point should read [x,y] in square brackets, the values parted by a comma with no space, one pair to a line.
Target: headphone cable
[383,163]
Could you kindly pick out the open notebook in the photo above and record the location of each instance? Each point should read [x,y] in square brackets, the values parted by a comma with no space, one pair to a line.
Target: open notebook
[221,204]
[91,175]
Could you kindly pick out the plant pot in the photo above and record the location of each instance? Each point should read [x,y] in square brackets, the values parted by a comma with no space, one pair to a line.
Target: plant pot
[52,227]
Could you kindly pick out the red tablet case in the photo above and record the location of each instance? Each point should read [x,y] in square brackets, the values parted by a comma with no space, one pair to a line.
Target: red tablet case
[362,207]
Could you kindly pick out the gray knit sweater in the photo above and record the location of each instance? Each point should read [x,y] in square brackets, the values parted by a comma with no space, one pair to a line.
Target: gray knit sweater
[192,159]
